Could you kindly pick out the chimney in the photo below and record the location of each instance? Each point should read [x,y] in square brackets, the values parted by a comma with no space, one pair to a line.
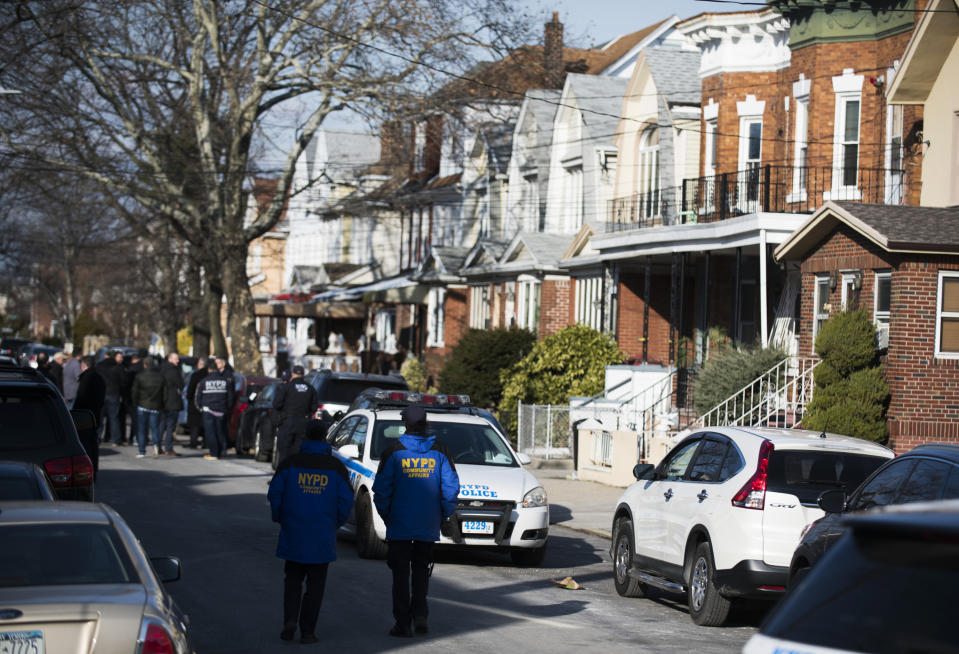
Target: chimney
[554,72]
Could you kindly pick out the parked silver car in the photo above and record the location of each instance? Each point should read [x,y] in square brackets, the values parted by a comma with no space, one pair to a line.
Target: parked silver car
[73,577]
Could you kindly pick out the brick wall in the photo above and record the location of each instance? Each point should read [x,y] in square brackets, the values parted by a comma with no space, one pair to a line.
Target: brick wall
[555,306]
[631,316]
[455,324]
[924,404]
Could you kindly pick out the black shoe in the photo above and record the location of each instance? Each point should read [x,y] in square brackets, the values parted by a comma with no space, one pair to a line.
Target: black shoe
[308,639]
[420,626]
[288,632]
[401,631]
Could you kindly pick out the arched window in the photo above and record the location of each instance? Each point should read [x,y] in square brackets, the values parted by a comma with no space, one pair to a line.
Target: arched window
[649,173]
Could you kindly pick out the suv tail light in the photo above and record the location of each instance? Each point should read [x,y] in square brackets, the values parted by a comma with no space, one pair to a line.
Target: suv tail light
[60,471]
[66,471]
[157,641]
[753,494]
[82,470]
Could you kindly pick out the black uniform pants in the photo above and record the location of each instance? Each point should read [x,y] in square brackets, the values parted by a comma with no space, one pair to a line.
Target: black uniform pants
[299,606]
[290,436]
[410,559]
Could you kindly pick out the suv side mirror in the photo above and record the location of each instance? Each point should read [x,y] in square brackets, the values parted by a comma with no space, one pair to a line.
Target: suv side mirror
[337,416]
[166,567]
[832,501]
[644,471]
[83,419]
[523,458]
[350,451]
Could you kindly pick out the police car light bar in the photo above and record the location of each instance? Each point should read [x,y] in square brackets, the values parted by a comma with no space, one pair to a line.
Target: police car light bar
[425,398]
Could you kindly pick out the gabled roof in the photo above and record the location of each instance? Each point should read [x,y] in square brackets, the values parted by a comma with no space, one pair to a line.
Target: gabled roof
[676,74]
[485,252]
[442,265]
[580,242]
[894,228]
[600,101]
[541,249]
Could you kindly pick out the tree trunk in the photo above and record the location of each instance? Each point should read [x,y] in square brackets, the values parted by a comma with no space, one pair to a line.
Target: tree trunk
[243,337]
[213,300]
[200,318]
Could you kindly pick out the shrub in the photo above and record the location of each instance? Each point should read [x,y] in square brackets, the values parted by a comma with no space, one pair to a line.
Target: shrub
[476,362]
[851,395]
[86,325]
[414,372]
[571,362]
[728,372]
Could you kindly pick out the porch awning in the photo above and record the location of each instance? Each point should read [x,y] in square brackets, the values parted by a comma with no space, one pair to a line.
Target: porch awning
[312,309]
[400,290]
[412,294]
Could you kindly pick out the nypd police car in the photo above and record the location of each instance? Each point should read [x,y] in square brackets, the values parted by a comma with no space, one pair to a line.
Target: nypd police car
[501,505]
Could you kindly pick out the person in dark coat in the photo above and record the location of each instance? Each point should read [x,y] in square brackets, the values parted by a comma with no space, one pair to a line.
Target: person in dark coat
[91,391]
[130,371]
[46,368]
[149,395]
[194,419]
[294,402]
[111,370]
[72,370]
[170,369]
[415,490]
[310,496]
[214,398]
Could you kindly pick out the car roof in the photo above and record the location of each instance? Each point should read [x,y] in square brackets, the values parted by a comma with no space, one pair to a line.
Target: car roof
[362,376]
[11,467]
[261,380]
[24,377]
[40,512]
[940,516]
[796,439]
[944,450]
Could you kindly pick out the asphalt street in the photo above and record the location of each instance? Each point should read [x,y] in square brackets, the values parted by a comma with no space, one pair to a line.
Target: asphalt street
[214,515]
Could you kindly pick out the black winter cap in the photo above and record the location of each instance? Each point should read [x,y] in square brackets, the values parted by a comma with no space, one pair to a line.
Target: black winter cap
[413,415]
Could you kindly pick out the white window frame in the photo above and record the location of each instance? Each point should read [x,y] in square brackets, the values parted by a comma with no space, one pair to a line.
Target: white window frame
[436,317]
[527,303]
[881,319]
[817,317]
[847,88]
[419,146]
[480,306]
[801,140]
[650,173]
[848,285]
[589,297]
[385,334]
[940,314]
[750,113]
[573,194]
[894,182]
[530,200]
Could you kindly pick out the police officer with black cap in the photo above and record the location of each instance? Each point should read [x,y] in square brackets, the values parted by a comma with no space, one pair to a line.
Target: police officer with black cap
[295,402]
[415,491]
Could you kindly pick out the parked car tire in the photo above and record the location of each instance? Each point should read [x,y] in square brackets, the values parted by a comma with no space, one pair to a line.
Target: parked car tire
[707,607]
[528,558]
[260,453]
[368,544]
[623,550]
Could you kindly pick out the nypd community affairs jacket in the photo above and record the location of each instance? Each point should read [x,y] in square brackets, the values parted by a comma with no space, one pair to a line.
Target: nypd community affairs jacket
[310,496]
[415,488]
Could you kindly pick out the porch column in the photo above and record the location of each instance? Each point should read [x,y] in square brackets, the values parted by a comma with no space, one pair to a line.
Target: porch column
[763,299]
[646,293]
[736,317]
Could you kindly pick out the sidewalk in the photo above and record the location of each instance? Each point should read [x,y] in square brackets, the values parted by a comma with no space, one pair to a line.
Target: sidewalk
[585,506]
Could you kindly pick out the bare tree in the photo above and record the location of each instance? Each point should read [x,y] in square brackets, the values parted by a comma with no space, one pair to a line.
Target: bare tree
[161,101]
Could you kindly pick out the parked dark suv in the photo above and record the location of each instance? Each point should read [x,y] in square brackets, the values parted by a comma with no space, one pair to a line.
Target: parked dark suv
[928,472]
[35,426]
[335,391]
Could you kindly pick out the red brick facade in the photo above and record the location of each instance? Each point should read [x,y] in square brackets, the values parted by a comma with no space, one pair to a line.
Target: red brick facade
[924,405]
[632,316]
[455,324]
[556,306]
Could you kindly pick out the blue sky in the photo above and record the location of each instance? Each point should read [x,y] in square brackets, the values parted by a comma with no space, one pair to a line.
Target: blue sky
[600,20]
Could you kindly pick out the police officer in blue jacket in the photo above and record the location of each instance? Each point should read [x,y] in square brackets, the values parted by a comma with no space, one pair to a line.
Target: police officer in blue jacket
[415,490]
[310,496]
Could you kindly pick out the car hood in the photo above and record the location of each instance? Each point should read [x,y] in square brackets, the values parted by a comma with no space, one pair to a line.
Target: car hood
[78,618]
[479,482]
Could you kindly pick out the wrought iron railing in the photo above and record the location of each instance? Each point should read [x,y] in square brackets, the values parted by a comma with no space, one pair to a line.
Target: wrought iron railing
[761,188]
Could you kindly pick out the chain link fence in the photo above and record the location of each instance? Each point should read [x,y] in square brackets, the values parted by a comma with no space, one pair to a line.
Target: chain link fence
[543,430]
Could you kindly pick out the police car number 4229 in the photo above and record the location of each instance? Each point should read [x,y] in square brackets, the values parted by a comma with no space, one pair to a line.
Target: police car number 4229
[501,505]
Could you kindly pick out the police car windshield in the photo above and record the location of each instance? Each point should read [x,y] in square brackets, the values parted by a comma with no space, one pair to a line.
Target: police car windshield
[467,443]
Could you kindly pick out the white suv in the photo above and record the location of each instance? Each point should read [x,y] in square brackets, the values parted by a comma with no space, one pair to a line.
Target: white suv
[501,505]
[720,516]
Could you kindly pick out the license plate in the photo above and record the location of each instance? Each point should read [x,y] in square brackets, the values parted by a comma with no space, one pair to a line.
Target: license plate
[474,527]
[21,642]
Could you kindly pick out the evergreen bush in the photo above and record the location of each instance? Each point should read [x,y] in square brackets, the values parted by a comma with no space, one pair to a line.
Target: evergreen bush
[726,373]
[414,372]
[851,395]
[479,357]
[570,363]
[86,325]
